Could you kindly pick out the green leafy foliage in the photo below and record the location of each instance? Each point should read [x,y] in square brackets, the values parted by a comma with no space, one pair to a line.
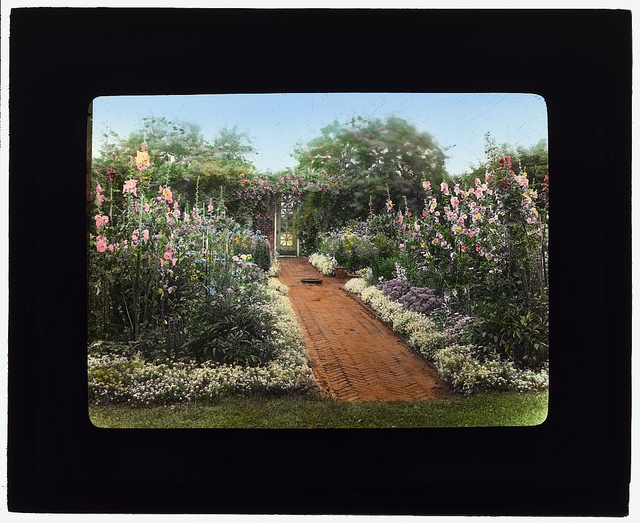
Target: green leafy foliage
[234,330]
[377,158]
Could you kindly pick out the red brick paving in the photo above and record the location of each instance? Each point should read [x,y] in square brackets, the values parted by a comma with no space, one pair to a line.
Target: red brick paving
[354,356]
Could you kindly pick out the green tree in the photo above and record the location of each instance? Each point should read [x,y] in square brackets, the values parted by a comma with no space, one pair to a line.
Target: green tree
[377,159]
[180,157]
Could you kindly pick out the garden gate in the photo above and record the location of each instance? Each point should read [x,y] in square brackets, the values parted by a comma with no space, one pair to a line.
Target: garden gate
[286,233]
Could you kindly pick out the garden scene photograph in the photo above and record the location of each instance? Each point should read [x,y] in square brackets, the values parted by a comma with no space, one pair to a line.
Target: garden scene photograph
[318,260]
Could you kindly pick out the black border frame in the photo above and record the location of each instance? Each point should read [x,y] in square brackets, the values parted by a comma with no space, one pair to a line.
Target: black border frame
[576,463]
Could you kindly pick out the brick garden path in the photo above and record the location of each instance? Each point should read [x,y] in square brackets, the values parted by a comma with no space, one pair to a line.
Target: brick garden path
[354,356]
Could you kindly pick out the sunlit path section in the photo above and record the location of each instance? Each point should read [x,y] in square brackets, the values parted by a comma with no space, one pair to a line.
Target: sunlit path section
[353,355]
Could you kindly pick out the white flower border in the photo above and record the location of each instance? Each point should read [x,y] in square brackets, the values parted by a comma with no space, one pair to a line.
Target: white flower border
[323,263]
[457,364]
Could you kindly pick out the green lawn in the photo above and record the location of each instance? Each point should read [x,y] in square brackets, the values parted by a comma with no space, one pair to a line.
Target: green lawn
[482,410]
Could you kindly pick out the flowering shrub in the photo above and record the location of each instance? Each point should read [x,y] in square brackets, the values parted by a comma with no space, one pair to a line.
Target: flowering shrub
[421,300]
[323,263]
[134,381]
[173,276]
[487,244]
[396,288]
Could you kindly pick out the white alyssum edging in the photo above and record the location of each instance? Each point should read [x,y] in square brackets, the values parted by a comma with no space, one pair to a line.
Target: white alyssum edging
[133,381]
[323,263]
[457,364]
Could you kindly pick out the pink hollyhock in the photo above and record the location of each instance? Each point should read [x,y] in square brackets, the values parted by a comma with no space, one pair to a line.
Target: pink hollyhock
[174,261]
[101,243]
[146,207]
[424,213]
[168,196]
[100,199]
[477,182]
[400,219]
[471,234]
[478,249]
[455,202]
[136,207]
[130,186]
[487,176]
[111,247]
[463,247]
[209,207]
[144,147]
[175,206]
[416,226]
[145,235]
[135,236]
[436,241]
[168,255]
[426,185]
[171,289]
[444,187]
[100,221]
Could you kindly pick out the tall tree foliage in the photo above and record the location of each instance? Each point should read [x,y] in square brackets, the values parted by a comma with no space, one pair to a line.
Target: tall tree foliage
[179,157]
[379,159]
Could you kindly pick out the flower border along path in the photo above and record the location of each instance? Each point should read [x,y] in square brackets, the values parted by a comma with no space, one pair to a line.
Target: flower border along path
[354,356]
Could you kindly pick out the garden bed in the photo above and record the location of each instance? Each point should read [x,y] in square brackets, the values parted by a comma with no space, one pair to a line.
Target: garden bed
[136,381]
[458,364]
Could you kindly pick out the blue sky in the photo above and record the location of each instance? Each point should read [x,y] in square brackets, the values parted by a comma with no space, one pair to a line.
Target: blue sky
[276,122]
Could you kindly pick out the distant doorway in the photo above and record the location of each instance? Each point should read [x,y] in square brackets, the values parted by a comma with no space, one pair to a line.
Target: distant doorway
[286,233]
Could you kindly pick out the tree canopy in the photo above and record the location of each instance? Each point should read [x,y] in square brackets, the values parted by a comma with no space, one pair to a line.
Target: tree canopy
[380,159]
